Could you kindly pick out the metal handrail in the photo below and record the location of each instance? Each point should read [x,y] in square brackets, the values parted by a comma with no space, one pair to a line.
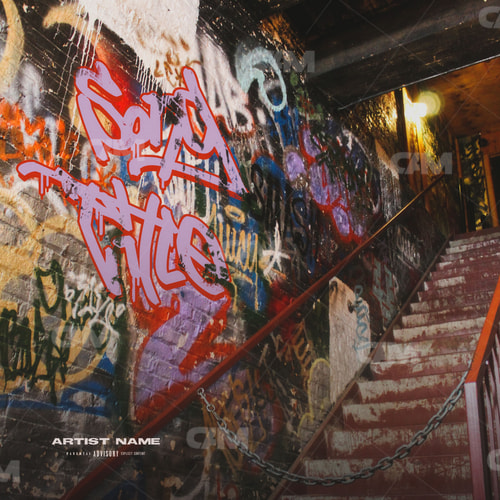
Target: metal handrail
[483,418]
[163,418]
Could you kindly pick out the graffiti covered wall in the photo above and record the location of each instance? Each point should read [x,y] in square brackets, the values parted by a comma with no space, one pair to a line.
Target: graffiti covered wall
[167,185]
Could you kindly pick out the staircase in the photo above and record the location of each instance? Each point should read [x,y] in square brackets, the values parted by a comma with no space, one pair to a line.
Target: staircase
[413,375]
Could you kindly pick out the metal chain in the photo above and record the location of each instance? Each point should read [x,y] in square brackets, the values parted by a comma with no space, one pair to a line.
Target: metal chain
[383,464]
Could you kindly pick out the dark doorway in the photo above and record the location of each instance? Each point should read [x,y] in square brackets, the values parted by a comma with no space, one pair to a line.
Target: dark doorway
[495,174]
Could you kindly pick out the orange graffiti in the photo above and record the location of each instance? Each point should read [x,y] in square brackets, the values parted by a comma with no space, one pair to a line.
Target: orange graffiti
[22,138]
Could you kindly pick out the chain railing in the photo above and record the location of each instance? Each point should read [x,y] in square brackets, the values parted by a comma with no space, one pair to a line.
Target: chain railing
[383,464]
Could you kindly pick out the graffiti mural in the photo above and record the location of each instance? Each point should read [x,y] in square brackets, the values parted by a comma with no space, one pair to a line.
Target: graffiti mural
[167,186]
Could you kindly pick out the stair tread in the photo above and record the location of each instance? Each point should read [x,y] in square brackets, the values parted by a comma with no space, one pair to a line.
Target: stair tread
[371,390]
[349,466]
[428,347]
[392,413]
[383,441]
[445,315]
[482,234]
[470,287]
[448,475]
[461,280]
[450,303]
[413,403]
[470,260]
[436,331]
[441,363]
[473,244]
[457,254]
[478,266]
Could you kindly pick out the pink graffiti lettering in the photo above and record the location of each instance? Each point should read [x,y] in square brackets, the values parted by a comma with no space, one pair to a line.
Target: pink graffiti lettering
[194,130]
[150,238]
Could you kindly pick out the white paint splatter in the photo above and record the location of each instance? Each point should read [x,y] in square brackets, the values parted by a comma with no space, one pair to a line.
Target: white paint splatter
[154,30]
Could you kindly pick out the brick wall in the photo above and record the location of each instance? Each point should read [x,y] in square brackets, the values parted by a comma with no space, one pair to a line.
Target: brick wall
[168,183]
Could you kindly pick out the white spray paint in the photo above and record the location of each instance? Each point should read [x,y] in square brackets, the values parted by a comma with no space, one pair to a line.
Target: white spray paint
[152,29]
[224,94]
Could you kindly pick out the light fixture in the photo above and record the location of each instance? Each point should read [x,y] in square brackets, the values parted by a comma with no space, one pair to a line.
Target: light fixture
[432,100]
[419,109]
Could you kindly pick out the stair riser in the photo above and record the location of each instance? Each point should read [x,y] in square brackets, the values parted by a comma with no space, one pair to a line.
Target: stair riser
[433,365]
[441,330]
[407,389]
[425,348]
[489,275]
[470,253]
[449,315]
[451,439]
[462,289]
[451,303]
[482,266]
[470,261]
[446,479]
[392,415]
[368,488]
[485,235]
[473,246]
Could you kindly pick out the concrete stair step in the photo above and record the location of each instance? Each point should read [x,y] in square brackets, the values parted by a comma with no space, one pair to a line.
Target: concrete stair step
[471,286]
[460,253]
[430,386]
[452,302]
[380,442]
[424,348]
[446,315]
[471,260]
[444,330]
[489,274]
[479,267]
[483,235]
[425,475]
[393,413]
[444,283]
[431,365]
[475,245]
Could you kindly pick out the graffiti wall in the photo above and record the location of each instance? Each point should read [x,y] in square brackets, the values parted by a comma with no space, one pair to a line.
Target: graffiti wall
[168,183]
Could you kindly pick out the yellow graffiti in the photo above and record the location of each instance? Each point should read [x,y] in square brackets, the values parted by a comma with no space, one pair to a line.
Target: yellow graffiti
[14,46]
[318,394]
[18,262]
[240,247]
[296,347]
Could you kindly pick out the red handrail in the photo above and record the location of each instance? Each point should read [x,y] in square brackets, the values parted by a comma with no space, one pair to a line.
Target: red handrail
[155,425]
[482,388]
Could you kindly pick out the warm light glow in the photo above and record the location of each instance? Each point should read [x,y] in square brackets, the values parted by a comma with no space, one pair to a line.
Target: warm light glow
[432,100]
[419,109]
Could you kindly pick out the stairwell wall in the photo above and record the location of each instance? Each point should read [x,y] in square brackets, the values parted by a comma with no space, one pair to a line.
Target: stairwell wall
[168,182]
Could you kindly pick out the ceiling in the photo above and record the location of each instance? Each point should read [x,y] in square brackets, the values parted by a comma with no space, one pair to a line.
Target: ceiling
[365,48]
[470,96]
